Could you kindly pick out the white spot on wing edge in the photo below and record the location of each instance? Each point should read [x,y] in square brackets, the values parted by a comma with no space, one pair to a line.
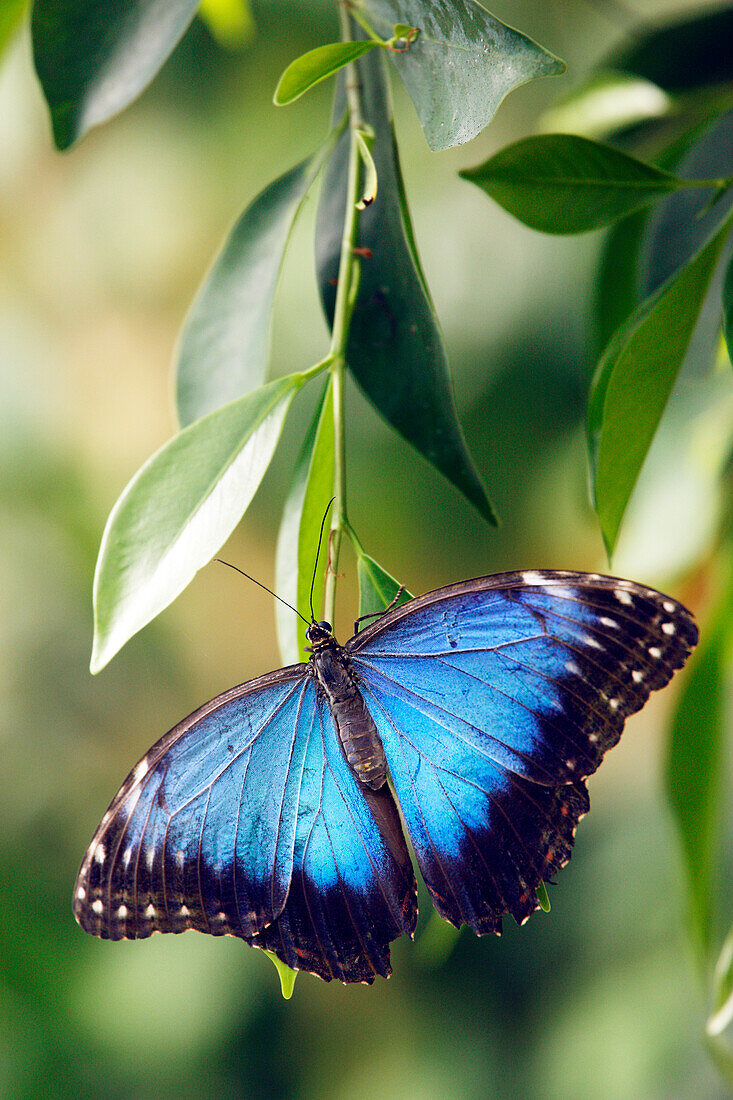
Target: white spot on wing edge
[98,907]
[150,911]
[669,606]
[122,912]
[571,666]
[654,651]
[606,621]
[99,853]
[623,597]
[637,676]
[669,628]
[81,893]
[531,577]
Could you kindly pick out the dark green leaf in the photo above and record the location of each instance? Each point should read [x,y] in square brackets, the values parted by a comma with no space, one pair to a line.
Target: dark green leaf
[377,588]
[179,509]
[395,348]
[696,760]
[310,490]
[618,285]
[634,379]
[462,64]
[225,339]
[693,53]
[315,66]
[728,308]
[93,57]
[561,183]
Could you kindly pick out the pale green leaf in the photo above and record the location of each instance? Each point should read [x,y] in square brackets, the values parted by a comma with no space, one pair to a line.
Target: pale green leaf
[224,345]
[461,65]
[179,509]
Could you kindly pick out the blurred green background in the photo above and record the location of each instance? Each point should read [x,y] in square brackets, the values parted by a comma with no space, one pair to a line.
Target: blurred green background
[101,251]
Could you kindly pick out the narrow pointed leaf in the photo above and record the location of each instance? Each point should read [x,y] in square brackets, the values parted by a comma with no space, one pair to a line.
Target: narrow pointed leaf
[285,974]
[561,183]
[721,1015]
[310,491]
[315,66]
[93,57]
[224,344]
[370,183]
[395,348]
[634,379]
[461,65]
[728,308]
[179,509]
[377,588]
[696,761]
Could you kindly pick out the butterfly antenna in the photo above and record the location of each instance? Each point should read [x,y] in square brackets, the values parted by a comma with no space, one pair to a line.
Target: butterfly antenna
[261,585]
[318,554]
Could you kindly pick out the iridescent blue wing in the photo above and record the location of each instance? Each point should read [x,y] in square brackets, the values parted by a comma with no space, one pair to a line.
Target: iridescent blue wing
[235,815]
[495,698]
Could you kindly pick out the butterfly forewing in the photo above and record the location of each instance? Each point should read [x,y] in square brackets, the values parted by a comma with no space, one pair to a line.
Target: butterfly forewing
[494,699]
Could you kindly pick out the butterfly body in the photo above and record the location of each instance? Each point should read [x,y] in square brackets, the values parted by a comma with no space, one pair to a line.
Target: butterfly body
[266,814]
[355,725]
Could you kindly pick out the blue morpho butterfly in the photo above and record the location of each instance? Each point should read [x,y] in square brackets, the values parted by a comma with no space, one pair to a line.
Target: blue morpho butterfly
[266,813]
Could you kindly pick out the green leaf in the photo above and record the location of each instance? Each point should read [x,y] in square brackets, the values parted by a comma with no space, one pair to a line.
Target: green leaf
[561,183]
[179,509]
[316,65]
[460,66]
[395,348]
[690,54]
[11,16]
[224,344]
[634,379]
[93,57]
[286,975]
[311,489]
[371,180]
[728,308]
[377,588]
[696,760]
[230,21]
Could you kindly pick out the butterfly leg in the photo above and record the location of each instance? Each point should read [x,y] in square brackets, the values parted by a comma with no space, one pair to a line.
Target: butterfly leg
[375,614]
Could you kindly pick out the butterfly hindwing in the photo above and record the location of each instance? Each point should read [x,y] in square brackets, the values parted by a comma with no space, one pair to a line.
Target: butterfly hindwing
[494,699]
[353,889]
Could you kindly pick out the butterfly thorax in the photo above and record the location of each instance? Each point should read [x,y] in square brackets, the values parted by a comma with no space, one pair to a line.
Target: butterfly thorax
[357,732]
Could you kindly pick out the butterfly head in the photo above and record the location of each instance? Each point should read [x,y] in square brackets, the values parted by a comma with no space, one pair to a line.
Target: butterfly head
[319,634]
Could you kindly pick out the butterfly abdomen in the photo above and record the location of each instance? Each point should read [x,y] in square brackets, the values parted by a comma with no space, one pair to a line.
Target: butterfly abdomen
[361,743]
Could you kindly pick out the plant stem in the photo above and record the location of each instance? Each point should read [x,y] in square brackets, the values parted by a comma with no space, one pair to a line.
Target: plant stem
[348,282]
